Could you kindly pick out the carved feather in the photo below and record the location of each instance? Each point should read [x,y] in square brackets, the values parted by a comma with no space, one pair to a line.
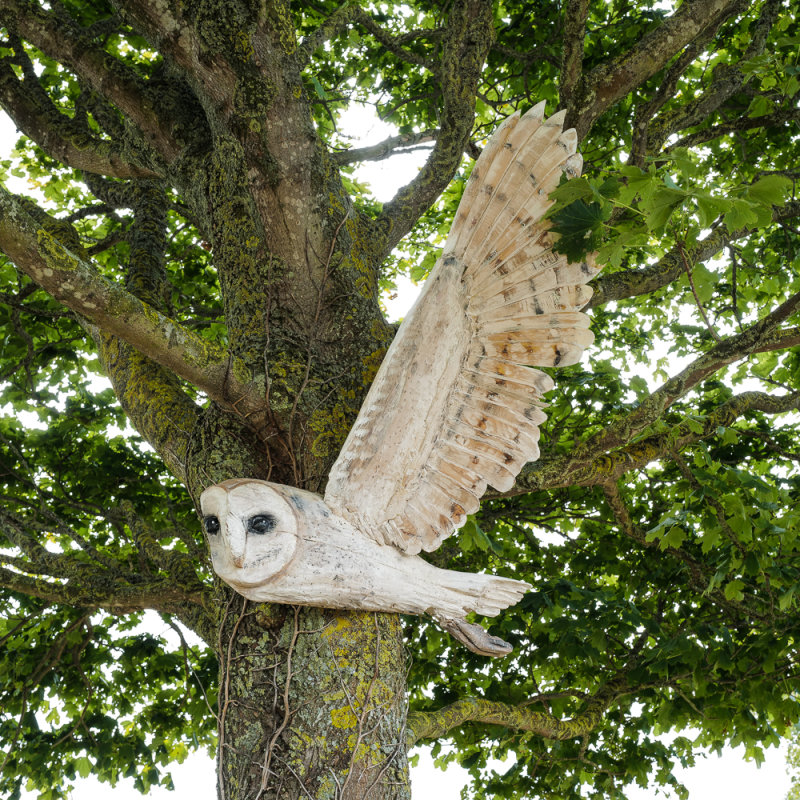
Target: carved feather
[455,405]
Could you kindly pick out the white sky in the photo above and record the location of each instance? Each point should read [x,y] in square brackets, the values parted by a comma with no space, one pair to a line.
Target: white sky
[728,776]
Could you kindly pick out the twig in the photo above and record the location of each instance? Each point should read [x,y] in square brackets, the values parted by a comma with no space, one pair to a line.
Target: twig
[226,693]
[286,712]
[688,269]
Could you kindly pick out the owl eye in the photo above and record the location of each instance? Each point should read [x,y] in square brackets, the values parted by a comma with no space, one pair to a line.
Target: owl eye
[211,524]
[261,523]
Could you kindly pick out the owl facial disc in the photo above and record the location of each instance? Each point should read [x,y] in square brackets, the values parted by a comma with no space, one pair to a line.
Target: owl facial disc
[251,530]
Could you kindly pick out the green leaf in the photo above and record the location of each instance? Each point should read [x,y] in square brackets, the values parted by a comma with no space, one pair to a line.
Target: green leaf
[704,281]
[574,189]
[786,598]
[760,105]
[733,590]
[771,190]
[674,537]
[694,425]
[710,207]
[579,225]
[83,766]
[658,208]
[741,215]
[318,88]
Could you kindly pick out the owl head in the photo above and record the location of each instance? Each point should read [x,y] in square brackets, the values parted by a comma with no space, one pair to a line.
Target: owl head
[252,530]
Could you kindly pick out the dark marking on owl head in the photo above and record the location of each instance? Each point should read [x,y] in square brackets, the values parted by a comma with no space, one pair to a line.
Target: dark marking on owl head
[298,501]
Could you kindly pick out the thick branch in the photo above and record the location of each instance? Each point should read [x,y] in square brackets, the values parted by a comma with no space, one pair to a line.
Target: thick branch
[469,34]
[58,135]
[435,724]
[761,336]
[66,275]
[167,27]
[666,91]
[159,595]
[609,82]
[110,78]
[727,81]
[632,283]
[594,463]
[575,13]
[780,118]
[612,466]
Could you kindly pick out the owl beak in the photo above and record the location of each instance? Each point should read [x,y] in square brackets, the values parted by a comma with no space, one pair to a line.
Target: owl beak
[237,541]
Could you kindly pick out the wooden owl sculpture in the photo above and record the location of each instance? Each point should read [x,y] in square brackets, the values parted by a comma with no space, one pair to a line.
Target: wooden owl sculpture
[455,406]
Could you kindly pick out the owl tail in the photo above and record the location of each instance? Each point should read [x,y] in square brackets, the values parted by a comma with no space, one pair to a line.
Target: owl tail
[486,595]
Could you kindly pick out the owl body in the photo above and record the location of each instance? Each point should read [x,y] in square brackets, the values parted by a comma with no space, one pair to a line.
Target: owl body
[306,554]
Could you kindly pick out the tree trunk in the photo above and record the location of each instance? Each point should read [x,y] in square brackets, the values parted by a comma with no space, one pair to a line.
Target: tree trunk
[312,704]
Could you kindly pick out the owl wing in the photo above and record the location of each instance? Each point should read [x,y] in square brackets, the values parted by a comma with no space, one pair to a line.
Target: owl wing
[455,405]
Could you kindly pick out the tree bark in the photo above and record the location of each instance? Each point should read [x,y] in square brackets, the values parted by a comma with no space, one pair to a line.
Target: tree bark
[311,704]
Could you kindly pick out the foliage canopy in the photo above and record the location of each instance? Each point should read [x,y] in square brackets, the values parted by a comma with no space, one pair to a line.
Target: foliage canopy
[190,226]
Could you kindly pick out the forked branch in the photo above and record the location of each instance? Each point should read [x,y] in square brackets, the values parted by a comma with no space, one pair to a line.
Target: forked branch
[63,271]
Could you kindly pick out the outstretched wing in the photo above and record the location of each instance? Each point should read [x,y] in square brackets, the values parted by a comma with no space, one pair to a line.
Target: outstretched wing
[455,405]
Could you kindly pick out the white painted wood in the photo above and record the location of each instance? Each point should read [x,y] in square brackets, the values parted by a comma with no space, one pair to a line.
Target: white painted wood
[454,407]
[310,556]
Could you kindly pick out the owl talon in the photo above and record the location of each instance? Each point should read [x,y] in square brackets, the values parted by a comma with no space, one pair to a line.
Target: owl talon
[475,638]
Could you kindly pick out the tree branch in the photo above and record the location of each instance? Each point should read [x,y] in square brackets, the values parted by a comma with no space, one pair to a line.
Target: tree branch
[345,17]
[632,283]
[469,35]
[613,451]
[665,91]
[64,273]
[761,336]
[610,81]
[612,466]
[436,724]
[575,13]
[159,595]
[727,80]
[169,30]
[63,138]
[782,116]
[68,44]
[699,573]
[384,149]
